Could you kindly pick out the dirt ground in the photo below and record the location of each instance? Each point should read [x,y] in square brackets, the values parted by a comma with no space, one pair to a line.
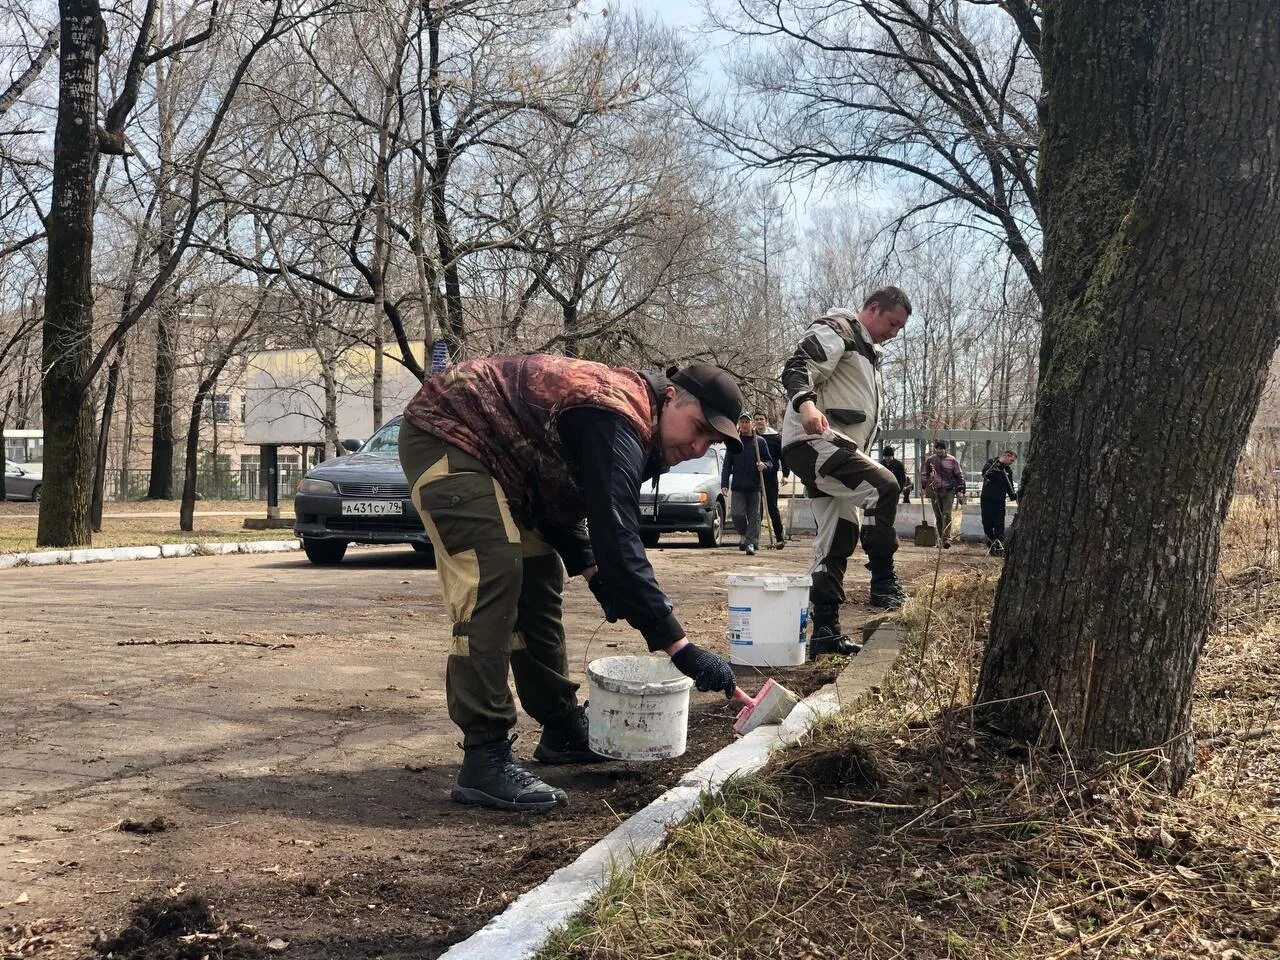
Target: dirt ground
[298,754]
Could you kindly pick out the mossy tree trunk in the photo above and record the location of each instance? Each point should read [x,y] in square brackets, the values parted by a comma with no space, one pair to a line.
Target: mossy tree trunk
[1160,180]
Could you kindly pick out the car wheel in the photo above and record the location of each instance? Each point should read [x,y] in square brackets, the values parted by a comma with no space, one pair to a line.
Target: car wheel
[427,550]
[35,494]
[650,537]
[324,551]
[712,536]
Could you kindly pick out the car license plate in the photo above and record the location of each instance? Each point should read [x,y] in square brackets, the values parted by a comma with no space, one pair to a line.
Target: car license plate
[372,508]
[647,510]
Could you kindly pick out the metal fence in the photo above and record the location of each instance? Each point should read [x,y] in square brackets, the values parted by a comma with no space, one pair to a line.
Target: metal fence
[247,483]
[972,448]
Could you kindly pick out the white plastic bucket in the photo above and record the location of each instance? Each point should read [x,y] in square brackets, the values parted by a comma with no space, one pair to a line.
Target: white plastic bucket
[638,709]
[767,616]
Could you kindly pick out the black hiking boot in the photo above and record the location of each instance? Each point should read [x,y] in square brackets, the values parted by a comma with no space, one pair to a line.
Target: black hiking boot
[827,637]
[490,777]
[567,742]
[886,589]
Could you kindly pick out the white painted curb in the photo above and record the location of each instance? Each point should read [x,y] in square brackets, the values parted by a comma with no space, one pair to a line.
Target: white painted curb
[519,932]
[43,558]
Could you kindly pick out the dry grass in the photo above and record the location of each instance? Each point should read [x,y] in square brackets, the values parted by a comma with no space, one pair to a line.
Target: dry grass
[19,536]
[22,508]
[901,830]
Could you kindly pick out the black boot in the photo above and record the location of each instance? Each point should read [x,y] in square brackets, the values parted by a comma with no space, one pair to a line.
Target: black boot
[490,777]
[886,589]
[568,741]
[827,636]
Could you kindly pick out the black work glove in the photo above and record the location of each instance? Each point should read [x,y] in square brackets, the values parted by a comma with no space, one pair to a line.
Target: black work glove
[601,593]
[709,672]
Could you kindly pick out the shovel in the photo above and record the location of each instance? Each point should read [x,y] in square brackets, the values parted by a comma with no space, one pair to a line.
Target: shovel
[926,533]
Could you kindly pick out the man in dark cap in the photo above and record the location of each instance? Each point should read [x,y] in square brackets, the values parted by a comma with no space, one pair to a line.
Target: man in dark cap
[890,462]
[506,457]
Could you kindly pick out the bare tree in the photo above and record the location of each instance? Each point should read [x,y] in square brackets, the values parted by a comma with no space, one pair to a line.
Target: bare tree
[226,341]
[938,94]
[71,361]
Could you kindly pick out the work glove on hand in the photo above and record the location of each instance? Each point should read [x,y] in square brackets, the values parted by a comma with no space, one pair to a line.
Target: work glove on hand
[601,593]
[709,672]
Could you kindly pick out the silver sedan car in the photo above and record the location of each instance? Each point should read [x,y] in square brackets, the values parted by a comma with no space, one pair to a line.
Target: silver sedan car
[22,481]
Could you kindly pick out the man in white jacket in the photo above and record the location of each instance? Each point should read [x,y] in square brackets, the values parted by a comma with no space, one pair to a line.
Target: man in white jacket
[835,398]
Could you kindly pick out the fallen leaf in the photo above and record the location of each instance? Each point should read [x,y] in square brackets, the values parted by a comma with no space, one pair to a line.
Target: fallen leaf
[1060,925]
[23,898]
[275,944]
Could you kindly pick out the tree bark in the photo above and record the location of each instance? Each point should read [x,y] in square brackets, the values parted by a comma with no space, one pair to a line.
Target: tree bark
[453,328]
[1161,210]
[66,346]
[330,423]
[160,484]
[4,423]
[104,440]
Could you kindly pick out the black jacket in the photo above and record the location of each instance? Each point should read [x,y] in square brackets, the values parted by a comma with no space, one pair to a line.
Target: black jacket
[740,471]
[610,464]
[774,441]
[997,481]
[899,473]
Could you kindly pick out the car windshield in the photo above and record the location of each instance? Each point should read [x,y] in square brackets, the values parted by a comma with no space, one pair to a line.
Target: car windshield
[386,440]
[705,464]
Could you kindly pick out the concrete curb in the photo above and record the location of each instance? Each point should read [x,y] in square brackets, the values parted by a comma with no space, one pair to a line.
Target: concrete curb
[44,558]
[519,932]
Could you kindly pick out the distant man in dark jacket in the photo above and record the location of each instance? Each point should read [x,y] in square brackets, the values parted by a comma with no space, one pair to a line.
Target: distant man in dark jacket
[506,457]
[743,473]
[894,466]
[774,439]
[997,484]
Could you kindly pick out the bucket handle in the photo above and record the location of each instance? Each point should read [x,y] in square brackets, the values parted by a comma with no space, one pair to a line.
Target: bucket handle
[775,584]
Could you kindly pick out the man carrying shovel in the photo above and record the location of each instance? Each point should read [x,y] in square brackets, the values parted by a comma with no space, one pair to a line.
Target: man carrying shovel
[505,458]
[836,394]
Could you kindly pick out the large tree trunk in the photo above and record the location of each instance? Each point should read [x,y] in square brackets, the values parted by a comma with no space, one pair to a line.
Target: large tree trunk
[1161,212]
[67,341]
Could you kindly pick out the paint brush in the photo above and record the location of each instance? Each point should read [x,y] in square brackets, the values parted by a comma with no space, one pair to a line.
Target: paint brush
[770,705]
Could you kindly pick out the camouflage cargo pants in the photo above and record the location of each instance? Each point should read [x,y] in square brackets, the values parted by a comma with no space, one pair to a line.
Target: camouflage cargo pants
[501,585]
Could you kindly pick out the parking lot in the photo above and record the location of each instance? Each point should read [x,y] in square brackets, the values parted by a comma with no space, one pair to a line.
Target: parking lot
[287,724]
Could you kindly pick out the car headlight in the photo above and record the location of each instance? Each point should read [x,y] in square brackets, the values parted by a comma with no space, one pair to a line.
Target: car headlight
[308,485]
[687,498]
